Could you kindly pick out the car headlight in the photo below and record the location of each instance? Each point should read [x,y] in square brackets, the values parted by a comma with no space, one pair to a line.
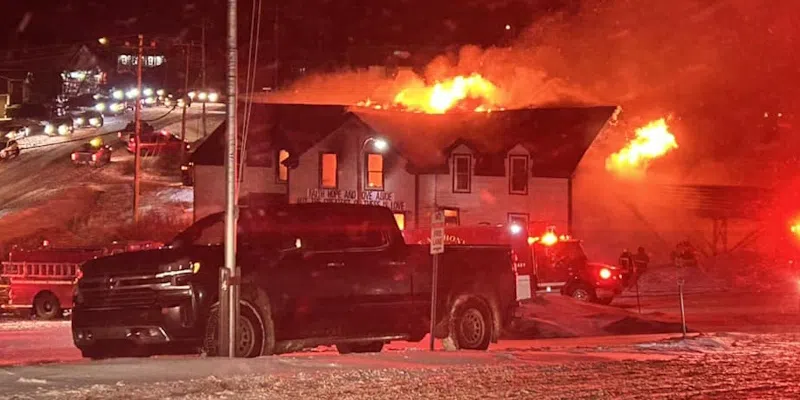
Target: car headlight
[213,97]
[147,92]
[49,129]
[79,121]
[63,129]
[202,96]
[118,94]
[100,107]
[117,107]
[150,100]
[94,122]
[191,95]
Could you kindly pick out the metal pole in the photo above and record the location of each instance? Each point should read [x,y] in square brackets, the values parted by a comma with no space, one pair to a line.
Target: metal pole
[683,308]
[229,299]
[434,286]
[137,117]
[203,69]
[187,49]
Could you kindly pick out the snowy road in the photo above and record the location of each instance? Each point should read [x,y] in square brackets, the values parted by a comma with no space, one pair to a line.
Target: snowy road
[727,366]
[42,153]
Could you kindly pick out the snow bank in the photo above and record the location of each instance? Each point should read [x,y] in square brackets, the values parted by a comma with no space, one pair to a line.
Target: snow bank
[692,344]
[556,316]
[26,325]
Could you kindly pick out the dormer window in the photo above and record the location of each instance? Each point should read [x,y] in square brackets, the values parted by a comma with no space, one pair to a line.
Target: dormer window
[462,173]
[518,174]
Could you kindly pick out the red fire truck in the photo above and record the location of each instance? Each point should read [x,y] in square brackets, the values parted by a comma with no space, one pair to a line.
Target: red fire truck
[41,280]
[545,263]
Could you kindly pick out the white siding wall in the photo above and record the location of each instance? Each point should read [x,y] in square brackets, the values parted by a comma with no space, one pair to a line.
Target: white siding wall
[489,200]
[347,143]
[209,186]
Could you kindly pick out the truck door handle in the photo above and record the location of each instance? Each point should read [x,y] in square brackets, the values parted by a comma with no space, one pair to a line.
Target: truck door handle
[334,264]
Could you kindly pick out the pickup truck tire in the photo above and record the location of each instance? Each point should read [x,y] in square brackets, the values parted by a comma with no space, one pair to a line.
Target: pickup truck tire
[582,292]
[46,306]
[364,347]
[471,326]
[249,340]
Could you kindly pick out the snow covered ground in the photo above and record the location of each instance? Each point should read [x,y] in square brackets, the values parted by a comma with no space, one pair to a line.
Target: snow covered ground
[724,366]
[43,194]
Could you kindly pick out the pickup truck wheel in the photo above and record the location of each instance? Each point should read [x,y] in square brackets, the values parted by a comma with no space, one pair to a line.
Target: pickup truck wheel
[470,326]
[582,292]
[46,306]
[249,338]
[365,347]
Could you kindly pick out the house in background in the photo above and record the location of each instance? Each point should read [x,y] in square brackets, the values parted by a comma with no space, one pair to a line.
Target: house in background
[275,131]
[481,168]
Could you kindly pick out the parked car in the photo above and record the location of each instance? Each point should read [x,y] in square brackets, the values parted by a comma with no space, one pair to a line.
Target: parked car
[157,143]
[42,116]
[129,129]
[312,274]
[562,265]
[87,118]
[8,148]
[93,153]
[11,129]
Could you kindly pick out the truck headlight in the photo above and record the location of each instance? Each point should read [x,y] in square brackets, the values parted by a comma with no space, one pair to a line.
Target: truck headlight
[49,129]
[63,129]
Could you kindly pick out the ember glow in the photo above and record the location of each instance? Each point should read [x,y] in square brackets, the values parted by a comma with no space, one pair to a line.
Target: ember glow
[468,93]
[652,141]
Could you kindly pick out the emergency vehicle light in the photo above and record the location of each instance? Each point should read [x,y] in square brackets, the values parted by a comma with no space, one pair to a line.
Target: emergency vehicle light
[605,273]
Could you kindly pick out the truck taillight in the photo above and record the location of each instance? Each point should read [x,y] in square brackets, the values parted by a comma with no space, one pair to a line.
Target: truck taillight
[605,273]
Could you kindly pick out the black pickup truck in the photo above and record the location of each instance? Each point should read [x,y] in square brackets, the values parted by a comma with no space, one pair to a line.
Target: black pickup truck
[312,274]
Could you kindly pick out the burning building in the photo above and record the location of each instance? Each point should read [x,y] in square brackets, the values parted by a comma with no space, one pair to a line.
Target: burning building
[494,167]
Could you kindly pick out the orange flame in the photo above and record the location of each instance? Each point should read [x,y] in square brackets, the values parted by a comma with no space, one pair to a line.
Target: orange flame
[652,141]
[473,92]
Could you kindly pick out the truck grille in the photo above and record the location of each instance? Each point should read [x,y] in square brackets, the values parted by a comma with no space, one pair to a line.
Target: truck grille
[119,298]
[124,291]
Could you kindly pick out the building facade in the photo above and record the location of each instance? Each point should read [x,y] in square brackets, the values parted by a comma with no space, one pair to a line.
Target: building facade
[510,167]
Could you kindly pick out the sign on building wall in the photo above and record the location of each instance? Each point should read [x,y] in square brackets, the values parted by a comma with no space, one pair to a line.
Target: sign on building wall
[376,198]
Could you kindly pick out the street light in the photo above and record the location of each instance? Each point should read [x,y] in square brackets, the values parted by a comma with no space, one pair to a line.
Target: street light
[380,145]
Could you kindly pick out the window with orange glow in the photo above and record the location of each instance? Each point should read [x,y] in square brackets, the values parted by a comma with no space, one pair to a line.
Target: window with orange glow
[283,171]
[451,217]
[328,170]
[374,171]
[400,218]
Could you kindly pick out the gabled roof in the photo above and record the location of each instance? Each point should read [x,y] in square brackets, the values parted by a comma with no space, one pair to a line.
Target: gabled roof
[556,138]
[294,127]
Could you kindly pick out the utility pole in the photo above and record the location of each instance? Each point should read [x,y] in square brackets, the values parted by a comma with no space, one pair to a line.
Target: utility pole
[186,99]
[137,157]
[203,68]
[277,48]
[229,285]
